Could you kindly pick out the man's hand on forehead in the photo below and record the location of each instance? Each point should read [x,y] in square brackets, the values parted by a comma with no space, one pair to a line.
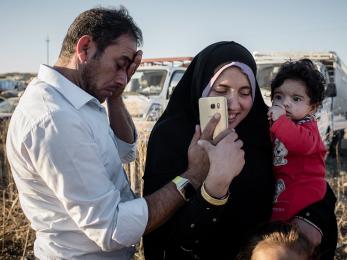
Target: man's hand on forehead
[134,64]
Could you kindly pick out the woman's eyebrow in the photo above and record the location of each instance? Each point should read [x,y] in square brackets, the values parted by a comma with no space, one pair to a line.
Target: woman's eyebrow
[222,85]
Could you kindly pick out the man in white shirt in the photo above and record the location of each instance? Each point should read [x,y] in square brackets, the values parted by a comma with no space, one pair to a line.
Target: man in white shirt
[66,152]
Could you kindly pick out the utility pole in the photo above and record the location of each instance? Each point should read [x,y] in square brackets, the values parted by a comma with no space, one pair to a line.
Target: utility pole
[47,44]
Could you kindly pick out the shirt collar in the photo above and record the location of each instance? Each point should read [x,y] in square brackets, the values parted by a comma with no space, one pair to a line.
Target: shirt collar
[74,94]
[307,118]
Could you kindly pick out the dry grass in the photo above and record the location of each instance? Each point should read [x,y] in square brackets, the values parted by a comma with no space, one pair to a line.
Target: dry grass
[16,236]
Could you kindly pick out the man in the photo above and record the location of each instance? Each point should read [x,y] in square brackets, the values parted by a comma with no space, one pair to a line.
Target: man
[66,156]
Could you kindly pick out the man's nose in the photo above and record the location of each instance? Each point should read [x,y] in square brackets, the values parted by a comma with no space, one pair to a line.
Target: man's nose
[122,78]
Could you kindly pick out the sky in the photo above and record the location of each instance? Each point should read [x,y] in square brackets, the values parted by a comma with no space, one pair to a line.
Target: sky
[177,27]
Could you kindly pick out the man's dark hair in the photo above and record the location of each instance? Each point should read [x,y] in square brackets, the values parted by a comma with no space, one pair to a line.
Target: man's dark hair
[103,25]
[306,71]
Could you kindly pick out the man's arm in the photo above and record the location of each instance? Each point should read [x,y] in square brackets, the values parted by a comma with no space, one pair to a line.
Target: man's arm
[120,120]
[161,205]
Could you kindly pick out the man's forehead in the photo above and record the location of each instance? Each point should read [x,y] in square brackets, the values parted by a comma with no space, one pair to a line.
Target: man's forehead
[124,49]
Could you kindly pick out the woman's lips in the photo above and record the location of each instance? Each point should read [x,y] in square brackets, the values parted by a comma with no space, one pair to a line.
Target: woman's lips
[232,118]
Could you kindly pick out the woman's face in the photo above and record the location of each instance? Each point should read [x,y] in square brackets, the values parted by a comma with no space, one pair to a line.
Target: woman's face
[234,85]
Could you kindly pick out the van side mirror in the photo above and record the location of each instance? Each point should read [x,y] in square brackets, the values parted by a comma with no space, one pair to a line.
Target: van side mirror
[330,90]
[171,89]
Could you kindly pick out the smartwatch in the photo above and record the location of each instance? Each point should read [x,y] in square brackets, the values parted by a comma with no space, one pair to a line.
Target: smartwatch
[184,187]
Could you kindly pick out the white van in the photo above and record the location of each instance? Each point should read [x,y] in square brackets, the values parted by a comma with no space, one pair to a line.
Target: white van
[147,94]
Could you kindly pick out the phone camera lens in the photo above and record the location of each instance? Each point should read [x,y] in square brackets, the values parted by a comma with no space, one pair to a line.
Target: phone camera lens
[213,106]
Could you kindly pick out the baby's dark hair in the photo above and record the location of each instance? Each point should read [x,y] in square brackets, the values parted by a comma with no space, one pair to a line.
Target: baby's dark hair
[276,234]
[306,71]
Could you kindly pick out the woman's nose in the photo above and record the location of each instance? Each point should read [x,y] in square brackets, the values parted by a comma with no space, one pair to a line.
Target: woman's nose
[233,102]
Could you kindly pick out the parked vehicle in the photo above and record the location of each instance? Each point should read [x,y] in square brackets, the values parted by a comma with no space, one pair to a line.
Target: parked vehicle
[268,65]
[7,106]
[148,92]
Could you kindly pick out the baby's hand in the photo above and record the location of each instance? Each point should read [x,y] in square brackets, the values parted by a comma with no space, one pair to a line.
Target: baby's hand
[275,112]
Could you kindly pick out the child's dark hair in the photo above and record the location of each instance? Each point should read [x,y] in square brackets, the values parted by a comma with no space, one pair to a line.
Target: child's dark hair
[306,71]
[278,234]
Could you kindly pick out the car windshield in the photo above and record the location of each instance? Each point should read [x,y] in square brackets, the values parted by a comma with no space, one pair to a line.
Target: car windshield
[265,74]
[146,82]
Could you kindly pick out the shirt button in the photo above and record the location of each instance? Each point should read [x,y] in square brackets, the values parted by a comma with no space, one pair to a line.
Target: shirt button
[308,214]
[197,241]
[207,208]
[214,220]
[192,225]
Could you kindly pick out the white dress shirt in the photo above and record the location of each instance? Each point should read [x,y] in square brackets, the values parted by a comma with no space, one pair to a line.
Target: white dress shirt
[67,166]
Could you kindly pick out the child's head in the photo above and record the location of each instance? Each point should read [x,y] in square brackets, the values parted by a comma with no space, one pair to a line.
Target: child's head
[278,241]
[299,88]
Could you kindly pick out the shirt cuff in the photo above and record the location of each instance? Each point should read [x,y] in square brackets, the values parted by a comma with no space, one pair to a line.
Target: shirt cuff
[131,222]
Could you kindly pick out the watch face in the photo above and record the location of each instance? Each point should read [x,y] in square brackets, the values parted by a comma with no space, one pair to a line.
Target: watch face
[184,187]
[189,191]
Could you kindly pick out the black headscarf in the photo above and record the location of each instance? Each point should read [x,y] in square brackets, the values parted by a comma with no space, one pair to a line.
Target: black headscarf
[251,192]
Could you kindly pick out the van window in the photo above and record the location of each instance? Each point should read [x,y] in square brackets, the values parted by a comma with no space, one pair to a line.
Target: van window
[146,82]
[176,77]
[265,74]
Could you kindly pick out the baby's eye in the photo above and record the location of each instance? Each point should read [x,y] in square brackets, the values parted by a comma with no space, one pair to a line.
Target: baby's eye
[277,97]
[297,99]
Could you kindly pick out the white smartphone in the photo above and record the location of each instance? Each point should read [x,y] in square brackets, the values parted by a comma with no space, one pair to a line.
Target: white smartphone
[208,106]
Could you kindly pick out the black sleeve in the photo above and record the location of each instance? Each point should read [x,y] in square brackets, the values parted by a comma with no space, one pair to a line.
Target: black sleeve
[179,237]
[195,221]
[322,214]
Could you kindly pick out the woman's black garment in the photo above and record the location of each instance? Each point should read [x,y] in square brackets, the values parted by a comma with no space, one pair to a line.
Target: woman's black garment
[322,214]
[199,230]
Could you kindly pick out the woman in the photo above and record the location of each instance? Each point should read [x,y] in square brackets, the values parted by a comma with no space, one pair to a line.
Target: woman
[200,230]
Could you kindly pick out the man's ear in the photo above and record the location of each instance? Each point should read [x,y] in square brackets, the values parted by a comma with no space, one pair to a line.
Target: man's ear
[85,48]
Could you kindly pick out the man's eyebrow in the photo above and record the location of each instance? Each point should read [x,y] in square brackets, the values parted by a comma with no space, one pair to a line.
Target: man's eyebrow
[126,58]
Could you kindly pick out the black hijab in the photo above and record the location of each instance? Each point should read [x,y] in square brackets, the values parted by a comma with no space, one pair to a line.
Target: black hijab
[252,190]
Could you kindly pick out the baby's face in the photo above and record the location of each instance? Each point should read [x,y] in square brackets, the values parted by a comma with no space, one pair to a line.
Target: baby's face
[276,253]
[292,96]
